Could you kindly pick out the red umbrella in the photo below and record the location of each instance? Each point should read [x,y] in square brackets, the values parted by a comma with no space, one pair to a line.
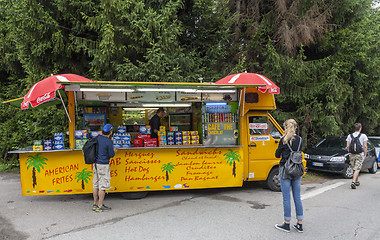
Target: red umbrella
[44,90]
[250,79]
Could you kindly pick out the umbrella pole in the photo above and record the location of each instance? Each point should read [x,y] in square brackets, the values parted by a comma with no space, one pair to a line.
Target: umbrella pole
[64,106]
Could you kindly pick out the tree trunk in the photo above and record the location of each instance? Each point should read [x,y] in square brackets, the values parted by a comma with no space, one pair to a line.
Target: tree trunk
[34,178]
[167,176]
[234,169]
[82,184]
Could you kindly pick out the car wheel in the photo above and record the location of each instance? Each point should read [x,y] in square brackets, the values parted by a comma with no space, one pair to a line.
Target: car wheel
[348,172]
[273,180]
[373,169]
[134,195]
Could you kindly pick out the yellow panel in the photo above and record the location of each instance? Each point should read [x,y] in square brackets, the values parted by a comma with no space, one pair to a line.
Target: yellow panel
[266,101]
[64,172]
[116,117]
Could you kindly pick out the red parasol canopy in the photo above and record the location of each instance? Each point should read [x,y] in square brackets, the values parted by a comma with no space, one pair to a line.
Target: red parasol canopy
[250,79]
[44,90]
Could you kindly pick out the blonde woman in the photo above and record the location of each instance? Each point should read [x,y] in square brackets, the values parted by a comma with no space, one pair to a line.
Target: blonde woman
[289,140]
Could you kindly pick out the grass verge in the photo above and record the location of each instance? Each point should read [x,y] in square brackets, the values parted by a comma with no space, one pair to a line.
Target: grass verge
[10,167]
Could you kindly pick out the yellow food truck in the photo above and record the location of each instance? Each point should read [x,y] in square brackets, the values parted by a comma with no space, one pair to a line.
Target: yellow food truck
[213,136]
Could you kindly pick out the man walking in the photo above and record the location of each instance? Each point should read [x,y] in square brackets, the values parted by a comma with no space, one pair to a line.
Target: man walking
[357,147]
[101,168]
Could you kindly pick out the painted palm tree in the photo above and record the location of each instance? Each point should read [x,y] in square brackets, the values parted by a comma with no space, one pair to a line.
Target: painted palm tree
[168,168]
[37,162]
[83,175]
[231,158]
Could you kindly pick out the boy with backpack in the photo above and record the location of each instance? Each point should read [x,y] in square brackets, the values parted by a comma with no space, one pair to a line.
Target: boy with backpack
[357,147]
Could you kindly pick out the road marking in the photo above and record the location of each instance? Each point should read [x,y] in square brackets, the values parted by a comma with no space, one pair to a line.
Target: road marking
[321,190]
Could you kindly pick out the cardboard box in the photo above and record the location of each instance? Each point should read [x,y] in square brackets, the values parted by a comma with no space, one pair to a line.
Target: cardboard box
[143,130]
[193,133]
[196,137]
[143,136]
[194,141]
[58,137]
[38,148]
[185,133]
[59,146]
[187,142]
[126,138]
[162,128]
[122,130]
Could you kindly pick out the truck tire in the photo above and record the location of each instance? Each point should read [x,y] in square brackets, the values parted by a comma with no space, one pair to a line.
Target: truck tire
[273,180]
[134,195]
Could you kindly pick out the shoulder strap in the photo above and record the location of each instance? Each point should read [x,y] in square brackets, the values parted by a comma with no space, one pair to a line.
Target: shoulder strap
[299,145]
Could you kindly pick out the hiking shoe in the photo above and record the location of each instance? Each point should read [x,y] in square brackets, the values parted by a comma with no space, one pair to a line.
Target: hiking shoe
[298,227]
[284,227]
[357,184]
[353,185]
[94,207]
[103,208]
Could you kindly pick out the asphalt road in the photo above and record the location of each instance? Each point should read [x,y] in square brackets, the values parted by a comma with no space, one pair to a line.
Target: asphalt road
[332,211]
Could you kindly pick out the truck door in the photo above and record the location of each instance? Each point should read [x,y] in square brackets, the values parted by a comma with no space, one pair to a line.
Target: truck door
[263,138]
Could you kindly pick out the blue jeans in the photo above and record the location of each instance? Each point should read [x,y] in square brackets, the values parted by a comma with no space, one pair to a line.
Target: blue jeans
[296,189]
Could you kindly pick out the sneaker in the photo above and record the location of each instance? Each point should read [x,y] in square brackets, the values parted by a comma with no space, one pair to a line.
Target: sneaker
[353,185]
[103,209]
[94,207]
[284,227]
[357,184]
[298,227]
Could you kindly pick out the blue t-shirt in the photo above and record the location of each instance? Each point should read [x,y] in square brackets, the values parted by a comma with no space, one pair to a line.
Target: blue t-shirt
[105,150]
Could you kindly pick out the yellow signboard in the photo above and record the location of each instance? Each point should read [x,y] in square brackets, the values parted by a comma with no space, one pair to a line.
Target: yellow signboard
[64,172]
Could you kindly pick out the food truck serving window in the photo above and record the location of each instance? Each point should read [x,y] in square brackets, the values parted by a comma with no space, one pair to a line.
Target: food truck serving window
[261,125]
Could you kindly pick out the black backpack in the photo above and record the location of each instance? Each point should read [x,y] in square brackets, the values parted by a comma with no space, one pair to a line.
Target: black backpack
[355,145]
[294,166]
[90,151]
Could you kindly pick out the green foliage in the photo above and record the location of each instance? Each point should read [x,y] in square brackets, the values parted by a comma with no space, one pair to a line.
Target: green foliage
[323,54]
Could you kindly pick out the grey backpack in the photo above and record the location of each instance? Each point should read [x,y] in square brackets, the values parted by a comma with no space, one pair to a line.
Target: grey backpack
[293,166]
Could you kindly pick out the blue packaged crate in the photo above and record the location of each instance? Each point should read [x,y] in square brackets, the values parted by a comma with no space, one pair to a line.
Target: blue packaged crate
[78,134]
[178,143]
[122,130]
[170,134]
[117,145]
[48,143]
[126,138]
[178,139]
[59,146]
[125,145]
[178,134]
[117,137]
[170,142]
[170,138]
[143,130]
[58,137]
[94,134]
[58,142]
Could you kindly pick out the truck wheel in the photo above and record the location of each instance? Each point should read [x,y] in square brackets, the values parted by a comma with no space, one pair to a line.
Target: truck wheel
[273,180]
[134,195]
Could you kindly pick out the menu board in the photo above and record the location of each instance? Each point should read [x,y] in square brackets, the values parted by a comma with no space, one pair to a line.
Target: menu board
[151,97]
[189,97]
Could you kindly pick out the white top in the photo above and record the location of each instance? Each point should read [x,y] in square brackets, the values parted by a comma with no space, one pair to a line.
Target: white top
[363,138]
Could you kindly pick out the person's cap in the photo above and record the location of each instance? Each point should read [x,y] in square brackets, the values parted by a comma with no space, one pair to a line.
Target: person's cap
[107,128]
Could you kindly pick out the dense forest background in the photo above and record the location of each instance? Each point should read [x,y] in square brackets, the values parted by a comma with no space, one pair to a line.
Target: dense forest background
[323,54]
